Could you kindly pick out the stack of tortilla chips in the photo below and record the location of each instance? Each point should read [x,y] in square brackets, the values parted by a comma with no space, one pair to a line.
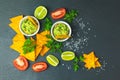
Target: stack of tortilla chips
[19,39]
[91,61]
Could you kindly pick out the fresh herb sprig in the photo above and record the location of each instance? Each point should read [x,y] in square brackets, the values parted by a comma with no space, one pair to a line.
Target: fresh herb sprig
[54,45]
[76,65]
[70,15]
[47,24]
[28,46]
[76,62]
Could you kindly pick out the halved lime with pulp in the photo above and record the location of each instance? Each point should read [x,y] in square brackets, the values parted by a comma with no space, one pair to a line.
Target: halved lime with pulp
[40,12]
[52,60]
[68,55]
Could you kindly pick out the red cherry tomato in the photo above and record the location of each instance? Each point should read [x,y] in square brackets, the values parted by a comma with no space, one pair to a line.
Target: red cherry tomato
[58,13]
[20,63]
[39,66]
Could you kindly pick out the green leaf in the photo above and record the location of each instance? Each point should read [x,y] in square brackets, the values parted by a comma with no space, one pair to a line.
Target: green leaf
[59,50]
[28,46]
[52,44]
[76,60]
[81,58]
[47,24]
[70,16]
[57,45]
[75,67]
[49,36]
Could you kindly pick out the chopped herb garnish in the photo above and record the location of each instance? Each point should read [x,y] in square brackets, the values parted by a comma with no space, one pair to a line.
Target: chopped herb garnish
[53,45]
[76,62]
[47,24]
[70,16]
[28,46]
[81,58]
[76,67]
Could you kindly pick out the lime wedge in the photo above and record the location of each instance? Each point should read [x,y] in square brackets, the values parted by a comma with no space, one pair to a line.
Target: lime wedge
[40,12]
[52,60]
[68,55]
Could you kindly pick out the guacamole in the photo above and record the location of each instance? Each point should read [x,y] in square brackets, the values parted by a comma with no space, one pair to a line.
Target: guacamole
[61,31]
[28,27]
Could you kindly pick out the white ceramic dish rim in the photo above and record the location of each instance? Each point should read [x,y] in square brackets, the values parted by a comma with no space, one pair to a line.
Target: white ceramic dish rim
[34,32]
[67,26]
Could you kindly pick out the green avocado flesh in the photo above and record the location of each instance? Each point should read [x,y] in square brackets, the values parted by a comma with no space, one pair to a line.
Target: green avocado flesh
[60,29]
[28,27]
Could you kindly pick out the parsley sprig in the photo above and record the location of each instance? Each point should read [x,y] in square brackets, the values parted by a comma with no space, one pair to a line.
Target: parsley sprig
[52,44]
[28,46]
[76,62]
[47,24]
[70,15]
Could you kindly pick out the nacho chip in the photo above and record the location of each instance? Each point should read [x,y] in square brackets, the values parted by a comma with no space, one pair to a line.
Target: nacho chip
[30,56]
[41,40]
[38,46]
[97,64]
[16,48]
[44,33]
[15,23]
[44,50]
[38,50]
[18,37]
[15,27]
[91,61]
[16,18]
[18,41]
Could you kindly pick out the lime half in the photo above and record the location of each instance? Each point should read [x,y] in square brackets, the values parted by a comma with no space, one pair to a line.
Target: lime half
[52,60]
[40,12]
[68,55]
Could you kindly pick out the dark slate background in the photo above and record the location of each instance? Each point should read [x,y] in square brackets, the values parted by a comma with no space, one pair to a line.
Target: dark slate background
[104,38]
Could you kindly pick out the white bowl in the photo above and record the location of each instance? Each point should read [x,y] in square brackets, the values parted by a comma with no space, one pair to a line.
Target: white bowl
[38,27]
[52,28]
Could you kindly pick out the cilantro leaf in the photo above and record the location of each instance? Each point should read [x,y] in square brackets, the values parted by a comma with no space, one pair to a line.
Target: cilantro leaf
[81,58]
[28,46]
[76,67]
[47,24]
[76,64]
[53,45]
[70,16]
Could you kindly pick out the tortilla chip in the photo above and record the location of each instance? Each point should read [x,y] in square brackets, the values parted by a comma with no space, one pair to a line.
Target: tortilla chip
[91,61]
[44,33]
[97,64]
[18,41]
[18,37]
[30,56]
[87,66]
[16,48]
[41,39]
[44,50]
[15,23]
[38,50]
[85,55]
[16,18]
[15,27]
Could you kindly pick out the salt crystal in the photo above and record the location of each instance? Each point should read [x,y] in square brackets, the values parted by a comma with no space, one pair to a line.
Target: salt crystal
[63,64]
[80,36]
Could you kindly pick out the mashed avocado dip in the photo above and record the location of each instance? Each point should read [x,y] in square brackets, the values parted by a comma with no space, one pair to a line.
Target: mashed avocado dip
[28,26]
[61,31]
